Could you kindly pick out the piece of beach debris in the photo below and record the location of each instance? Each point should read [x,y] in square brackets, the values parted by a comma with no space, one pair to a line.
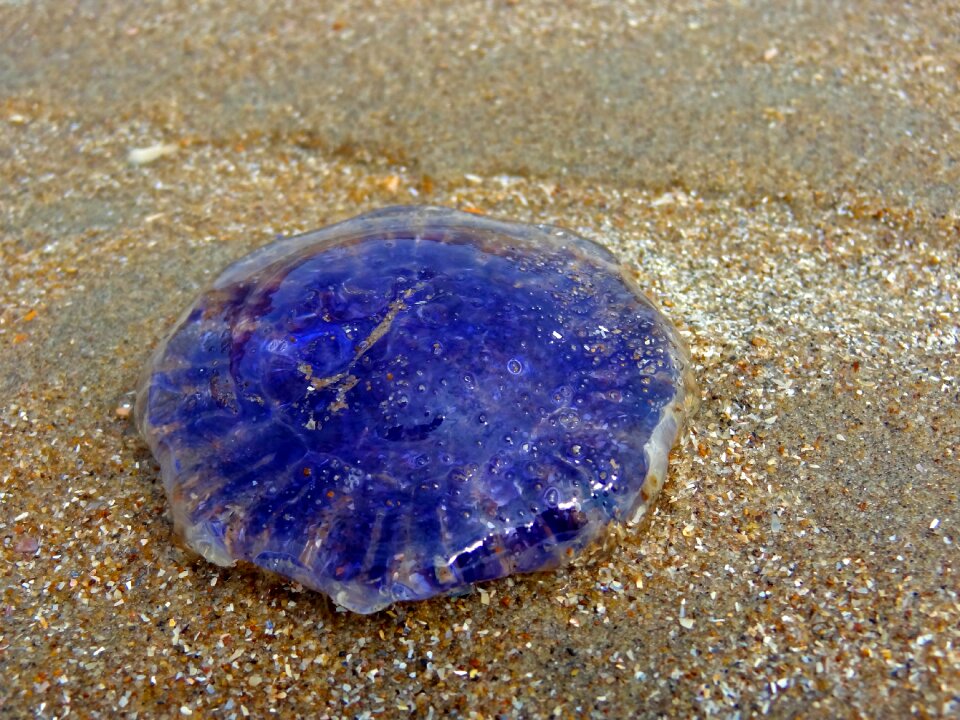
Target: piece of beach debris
[145,155]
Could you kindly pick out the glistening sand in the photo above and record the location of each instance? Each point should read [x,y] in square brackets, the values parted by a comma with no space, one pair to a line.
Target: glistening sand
[783,178]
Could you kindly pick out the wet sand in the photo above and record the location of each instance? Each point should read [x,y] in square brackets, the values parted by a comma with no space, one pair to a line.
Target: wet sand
[783,180]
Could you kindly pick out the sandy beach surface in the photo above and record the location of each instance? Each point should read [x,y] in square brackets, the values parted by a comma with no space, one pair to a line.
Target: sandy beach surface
[783,178]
